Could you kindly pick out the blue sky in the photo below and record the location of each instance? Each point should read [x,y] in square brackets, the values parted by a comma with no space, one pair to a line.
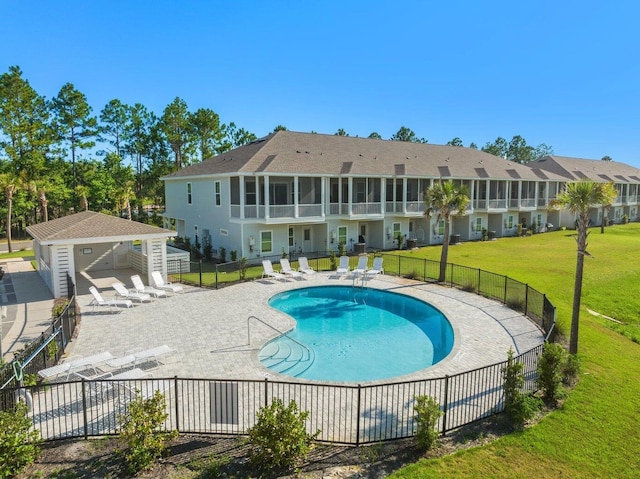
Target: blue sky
[564,73]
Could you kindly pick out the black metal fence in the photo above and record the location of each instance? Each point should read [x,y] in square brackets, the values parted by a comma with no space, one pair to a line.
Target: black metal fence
[344,414]
[47,349]
[518,296]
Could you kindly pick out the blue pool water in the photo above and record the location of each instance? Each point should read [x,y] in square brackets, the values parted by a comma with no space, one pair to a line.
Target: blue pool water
[356,334]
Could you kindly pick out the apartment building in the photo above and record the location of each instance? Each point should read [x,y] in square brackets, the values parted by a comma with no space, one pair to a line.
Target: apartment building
[302,192]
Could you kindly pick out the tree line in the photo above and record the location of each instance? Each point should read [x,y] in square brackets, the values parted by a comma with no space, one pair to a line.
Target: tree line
[57,156]
[50,157]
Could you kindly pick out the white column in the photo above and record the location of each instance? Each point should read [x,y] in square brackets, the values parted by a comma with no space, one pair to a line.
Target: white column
[323,195]
[404,195]
[266,197]
[296,212]
[241,193]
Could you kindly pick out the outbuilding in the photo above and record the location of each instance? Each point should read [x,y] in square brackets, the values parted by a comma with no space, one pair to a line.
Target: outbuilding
[91,241]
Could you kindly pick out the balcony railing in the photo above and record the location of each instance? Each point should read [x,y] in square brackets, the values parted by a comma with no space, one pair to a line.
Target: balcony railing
[366,209]
[277,211]
[415,207]
[498,203]
[306,211]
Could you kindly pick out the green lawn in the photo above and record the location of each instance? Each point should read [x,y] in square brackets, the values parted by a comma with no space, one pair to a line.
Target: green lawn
[595,433]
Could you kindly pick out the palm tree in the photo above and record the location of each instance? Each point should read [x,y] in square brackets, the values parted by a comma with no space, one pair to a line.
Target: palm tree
[9,183]
[82,192]
[445,199]
[605,206]
[123,197]
[579,197]
[39,188]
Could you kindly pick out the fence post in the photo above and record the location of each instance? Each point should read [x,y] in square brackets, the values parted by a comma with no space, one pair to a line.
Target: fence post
[424,270]
[504,300]
[526,299]
[399,274]
[479,276]
[175,388]
[446,404]
[216,275]
[358,417]
[84,410]
[200,268]
[266,394]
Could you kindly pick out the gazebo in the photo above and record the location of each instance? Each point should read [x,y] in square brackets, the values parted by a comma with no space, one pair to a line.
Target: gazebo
[91,241]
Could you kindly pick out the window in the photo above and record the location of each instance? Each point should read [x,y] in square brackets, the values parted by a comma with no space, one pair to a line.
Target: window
[510,221]
[189,199]
[342,235]
[266,241]
[218,194]
[250,192]
[478,224]
[307,235]
[396,229]
[440,227]
[291,238]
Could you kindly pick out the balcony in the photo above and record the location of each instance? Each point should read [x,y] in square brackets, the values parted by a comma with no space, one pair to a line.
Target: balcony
[278,211]
[498,204]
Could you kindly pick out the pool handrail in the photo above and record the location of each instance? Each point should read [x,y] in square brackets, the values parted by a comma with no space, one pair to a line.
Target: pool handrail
[310,353]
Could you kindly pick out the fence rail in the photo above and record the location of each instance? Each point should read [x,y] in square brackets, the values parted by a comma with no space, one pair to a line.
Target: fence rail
[47,349]
[345,414]
[515,294]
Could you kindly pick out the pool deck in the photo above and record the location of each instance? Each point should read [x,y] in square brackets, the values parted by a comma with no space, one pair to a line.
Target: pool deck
[209,328]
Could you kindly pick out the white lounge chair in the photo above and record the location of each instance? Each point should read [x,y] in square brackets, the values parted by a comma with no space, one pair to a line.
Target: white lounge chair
[77,364]
[303,266]
[268,271]
[113,303]
[140,287]
[160,283]
[343,267]
[285,268]
[361,269]
[123,292]
[376,268]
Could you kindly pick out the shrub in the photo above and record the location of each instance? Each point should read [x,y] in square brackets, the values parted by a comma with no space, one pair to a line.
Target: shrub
[19,445]
[333,262]
[59,305]
[242,267]
[52,349]
[520,407]
[279,438]
[233,255]
[550,372]
[571,370]
[208,252]
[222,252]
[427,412]
[145,443]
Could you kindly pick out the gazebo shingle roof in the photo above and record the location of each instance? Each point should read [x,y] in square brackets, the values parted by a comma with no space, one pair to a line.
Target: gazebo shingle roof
[93,225]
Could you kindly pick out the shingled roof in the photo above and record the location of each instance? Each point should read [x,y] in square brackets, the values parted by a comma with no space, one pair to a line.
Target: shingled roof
[291,153]
[92,227]
[576,169]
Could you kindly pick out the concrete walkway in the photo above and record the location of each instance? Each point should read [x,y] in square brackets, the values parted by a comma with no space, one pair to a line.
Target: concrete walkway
[25,305]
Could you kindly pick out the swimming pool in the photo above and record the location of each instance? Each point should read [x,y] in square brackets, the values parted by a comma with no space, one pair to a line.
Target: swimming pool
[356,334]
